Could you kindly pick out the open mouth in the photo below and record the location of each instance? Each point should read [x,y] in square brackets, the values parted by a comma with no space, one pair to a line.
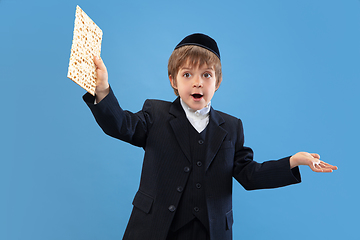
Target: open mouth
[197,95]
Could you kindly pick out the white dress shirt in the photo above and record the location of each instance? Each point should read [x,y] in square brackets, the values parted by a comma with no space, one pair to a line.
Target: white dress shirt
[199,119]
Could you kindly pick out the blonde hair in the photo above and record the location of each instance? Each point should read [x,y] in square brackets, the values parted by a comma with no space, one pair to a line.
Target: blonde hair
[196,56]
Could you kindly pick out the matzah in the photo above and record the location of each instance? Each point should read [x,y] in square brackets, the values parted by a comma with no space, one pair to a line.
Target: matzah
[85,45]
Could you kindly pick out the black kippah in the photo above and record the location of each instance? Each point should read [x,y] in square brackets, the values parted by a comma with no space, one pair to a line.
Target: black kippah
[200,40]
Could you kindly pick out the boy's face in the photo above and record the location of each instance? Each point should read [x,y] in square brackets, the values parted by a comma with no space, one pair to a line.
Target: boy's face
[196,85]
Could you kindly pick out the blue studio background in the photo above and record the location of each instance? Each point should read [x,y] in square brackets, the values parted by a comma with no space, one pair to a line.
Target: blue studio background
[291,73]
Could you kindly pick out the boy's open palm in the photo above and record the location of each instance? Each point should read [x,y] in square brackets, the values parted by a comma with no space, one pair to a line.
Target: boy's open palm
[312,160]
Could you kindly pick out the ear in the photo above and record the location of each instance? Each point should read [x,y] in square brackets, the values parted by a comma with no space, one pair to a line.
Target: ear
[218,84]
[172,82]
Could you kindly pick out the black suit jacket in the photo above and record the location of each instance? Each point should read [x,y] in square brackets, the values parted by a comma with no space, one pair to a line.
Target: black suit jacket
[160,128]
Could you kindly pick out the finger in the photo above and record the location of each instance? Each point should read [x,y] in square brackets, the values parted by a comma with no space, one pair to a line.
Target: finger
[332,167]
[326,165]
[326,170]
[315,155]
[99,63]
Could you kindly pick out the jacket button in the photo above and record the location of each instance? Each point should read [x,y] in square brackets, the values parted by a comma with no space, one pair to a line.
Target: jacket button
[186,169]
[199,164]
[201,141]
[198,185]
[172,208]
[179,189]
[196,209]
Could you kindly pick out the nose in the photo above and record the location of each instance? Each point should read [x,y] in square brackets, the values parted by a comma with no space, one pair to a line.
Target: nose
[197,82]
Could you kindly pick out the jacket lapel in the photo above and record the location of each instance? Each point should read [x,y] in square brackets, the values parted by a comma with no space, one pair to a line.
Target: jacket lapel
[215,136]
[180,127]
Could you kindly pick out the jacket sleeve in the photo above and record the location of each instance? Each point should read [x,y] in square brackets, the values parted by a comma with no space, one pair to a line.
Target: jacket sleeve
[115,122]
[270,174]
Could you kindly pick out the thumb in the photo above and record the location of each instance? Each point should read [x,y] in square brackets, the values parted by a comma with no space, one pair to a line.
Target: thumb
[101,75]
[315,155]
[99,63]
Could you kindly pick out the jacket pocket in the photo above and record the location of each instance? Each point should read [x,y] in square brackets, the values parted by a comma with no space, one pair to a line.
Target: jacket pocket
[229,220]
[143,201]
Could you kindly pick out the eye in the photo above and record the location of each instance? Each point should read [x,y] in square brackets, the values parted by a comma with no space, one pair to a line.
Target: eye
[207,75]
[187,75]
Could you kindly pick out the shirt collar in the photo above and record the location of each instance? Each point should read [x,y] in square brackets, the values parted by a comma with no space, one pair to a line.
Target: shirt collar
[198,113]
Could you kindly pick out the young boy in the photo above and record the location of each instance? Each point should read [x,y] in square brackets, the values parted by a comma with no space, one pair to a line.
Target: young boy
[191,151]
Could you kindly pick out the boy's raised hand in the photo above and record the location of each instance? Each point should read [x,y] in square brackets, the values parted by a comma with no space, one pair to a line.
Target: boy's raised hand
[102,84]
[312,160]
